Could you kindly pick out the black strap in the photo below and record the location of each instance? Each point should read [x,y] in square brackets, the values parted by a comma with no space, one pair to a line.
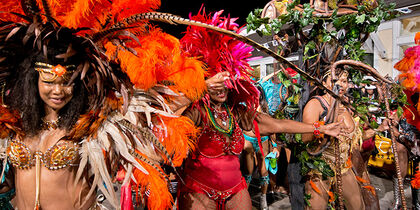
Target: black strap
[324,106]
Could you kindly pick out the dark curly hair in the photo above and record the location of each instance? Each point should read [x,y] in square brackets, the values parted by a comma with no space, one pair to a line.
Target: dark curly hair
[318,91]
[22,85]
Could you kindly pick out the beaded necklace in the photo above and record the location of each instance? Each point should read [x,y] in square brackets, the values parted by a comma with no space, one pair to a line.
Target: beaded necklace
[216,125]
[51,125]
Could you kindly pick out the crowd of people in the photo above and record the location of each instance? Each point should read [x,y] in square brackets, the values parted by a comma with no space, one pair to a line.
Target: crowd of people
[90,106]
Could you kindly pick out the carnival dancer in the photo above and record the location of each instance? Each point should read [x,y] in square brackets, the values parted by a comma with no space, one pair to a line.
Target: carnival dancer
[355,182]
[81,104]
[212,173]
[252,146]
[409,66]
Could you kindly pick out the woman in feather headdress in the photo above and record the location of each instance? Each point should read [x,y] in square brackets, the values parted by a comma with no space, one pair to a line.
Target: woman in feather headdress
[410,79]
[211,175]
[84,104]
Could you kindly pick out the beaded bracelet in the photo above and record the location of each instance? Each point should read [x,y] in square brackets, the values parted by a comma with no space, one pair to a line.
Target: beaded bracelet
[317,133]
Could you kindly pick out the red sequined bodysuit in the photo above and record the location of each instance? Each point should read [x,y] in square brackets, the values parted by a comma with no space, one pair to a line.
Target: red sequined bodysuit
[214,168]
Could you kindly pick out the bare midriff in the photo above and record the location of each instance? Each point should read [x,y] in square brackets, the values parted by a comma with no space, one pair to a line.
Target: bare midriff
[57,190]
[57,187]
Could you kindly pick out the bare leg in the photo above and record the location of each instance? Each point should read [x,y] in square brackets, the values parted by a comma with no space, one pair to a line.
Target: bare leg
[359,168]
[240,200]
[264,180]
[288,153]
[261,166]
[196,201]
[352,194]
[282,184]
[319,200]
[249,159]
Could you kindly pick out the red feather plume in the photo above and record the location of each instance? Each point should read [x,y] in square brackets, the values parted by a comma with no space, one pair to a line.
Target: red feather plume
[222,53]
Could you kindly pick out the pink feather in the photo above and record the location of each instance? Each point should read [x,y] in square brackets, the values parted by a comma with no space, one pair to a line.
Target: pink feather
[222,53]
[410,68]
[126,197]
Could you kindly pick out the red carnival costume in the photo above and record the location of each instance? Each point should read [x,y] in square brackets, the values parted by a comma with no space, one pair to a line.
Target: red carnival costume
[215,156]
[214,169]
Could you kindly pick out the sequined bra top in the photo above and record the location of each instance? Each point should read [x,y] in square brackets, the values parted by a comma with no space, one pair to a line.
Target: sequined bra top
[213,144]
[60,155]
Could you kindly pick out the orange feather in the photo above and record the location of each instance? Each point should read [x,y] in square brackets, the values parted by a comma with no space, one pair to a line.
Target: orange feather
[126,8]
[313,185]
[348,162]
[159,58]
[332,197]
[80,13]
[9,122]
[10,6]
[80,9]
[192,69]
[360,179]
[416,180]
[409,81]
[159,197]
[417,38]
[405,64]
[370,188]
[181,132]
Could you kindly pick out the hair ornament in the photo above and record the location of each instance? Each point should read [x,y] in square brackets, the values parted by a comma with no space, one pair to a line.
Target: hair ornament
[49,72]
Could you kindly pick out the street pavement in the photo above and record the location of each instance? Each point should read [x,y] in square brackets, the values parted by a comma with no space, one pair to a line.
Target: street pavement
[383,186]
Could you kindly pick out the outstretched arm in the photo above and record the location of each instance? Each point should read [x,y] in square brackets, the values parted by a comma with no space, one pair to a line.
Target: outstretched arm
[269,125]
[370,132]
[311,113]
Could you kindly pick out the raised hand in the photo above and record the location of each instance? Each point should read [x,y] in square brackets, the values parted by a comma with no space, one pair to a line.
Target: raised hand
[217,81]
[333,129]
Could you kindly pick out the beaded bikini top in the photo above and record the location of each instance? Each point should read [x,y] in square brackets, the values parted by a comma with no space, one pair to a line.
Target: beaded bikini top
[58,156]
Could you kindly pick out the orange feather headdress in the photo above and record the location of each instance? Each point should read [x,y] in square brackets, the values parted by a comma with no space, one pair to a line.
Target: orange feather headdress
[135,59]
[146,54]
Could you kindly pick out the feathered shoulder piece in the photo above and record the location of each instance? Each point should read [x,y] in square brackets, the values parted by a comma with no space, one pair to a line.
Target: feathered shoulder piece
[131,148]
[222,53]
[9,122]
[130,70]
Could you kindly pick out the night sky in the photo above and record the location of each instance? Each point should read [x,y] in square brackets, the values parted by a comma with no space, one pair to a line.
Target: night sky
[236,8]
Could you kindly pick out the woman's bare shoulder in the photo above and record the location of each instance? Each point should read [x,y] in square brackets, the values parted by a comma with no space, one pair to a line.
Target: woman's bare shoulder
[313,104]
